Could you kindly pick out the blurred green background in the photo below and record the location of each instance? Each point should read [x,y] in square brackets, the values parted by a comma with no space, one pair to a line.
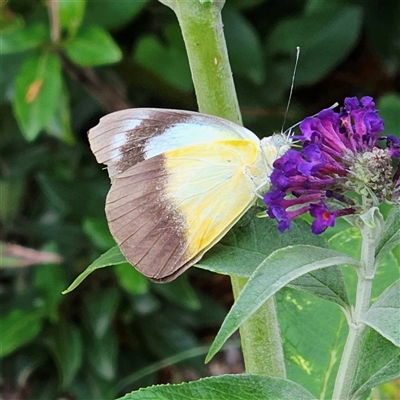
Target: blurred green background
[64,64]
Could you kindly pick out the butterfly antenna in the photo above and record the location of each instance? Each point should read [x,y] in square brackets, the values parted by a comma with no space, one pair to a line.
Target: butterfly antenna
[291,86]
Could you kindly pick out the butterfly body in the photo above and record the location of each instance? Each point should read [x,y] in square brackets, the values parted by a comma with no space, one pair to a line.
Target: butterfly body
[180,181]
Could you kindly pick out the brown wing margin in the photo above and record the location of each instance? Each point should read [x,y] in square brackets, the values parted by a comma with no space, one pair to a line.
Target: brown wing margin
[149,231]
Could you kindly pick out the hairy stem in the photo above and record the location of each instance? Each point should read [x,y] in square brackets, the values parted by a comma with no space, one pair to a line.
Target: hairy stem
[202,30]
[260,337]
[366,273]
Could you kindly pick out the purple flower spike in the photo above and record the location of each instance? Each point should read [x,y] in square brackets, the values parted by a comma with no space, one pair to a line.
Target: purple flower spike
[340,155]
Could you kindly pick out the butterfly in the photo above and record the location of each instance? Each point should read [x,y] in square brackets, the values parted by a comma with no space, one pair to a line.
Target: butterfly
[179,181]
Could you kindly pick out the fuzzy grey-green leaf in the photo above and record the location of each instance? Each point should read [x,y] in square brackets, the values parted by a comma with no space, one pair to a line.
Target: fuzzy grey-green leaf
[391,234]
[384,314]
[225,387]
[379,363]
[275,272]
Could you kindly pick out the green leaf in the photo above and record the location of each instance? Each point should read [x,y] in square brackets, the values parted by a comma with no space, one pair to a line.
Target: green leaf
[276,271]
[18,328]
[49,279]
[93,46]
[66,345]
[21,38]
[60,123]
[168,62]
[245,50]
[382,33]
[11,198]
[169,338]
[98,232]
[102,354]
[326,283]
[379,363]
[111,15]
[313,333]
[326,38]
[229,387]
[101,307]
[252,239]
[71,14]
[391,234]
[384,314]
[131,279]
[37,92]
[110,257]
[389,106]
[180,292]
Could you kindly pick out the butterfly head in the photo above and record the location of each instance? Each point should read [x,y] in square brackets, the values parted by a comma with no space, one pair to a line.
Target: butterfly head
[275,146]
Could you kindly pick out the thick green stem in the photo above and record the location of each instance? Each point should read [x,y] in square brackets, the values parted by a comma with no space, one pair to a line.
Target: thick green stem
[366,273]
[260,337]
[202,31]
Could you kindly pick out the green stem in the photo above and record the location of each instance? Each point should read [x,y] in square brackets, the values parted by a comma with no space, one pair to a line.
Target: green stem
[201,26]
[366,273]
[202,31]
[260,337]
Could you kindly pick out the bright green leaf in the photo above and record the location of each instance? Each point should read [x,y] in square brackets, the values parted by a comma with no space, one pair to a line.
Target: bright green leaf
[276,271]
[23,38]
[71,14]
[93,46]
[226,387]
[60,123]
[37,92]
[325,38]
[110,257]
[379,363]
[18,328]
[384,314]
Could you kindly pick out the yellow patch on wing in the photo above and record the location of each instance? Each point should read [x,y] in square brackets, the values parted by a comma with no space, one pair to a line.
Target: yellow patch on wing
[209,184]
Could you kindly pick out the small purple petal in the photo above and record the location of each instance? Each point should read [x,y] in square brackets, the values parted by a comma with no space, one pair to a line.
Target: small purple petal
[273,197]
[368,102]
[279,180]
[323,218]
[312,160]
[351,103]
[307,127]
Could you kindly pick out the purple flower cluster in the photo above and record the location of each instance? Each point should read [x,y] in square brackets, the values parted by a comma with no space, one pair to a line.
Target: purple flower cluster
[340,171]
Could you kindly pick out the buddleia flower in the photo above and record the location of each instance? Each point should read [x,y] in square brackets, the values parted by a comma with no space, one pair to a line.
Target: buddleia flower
[344,167]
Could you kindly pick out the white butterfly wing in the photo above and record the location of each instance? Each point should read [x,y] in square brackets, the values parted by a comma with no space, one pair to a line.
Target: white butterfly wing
[126,137]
